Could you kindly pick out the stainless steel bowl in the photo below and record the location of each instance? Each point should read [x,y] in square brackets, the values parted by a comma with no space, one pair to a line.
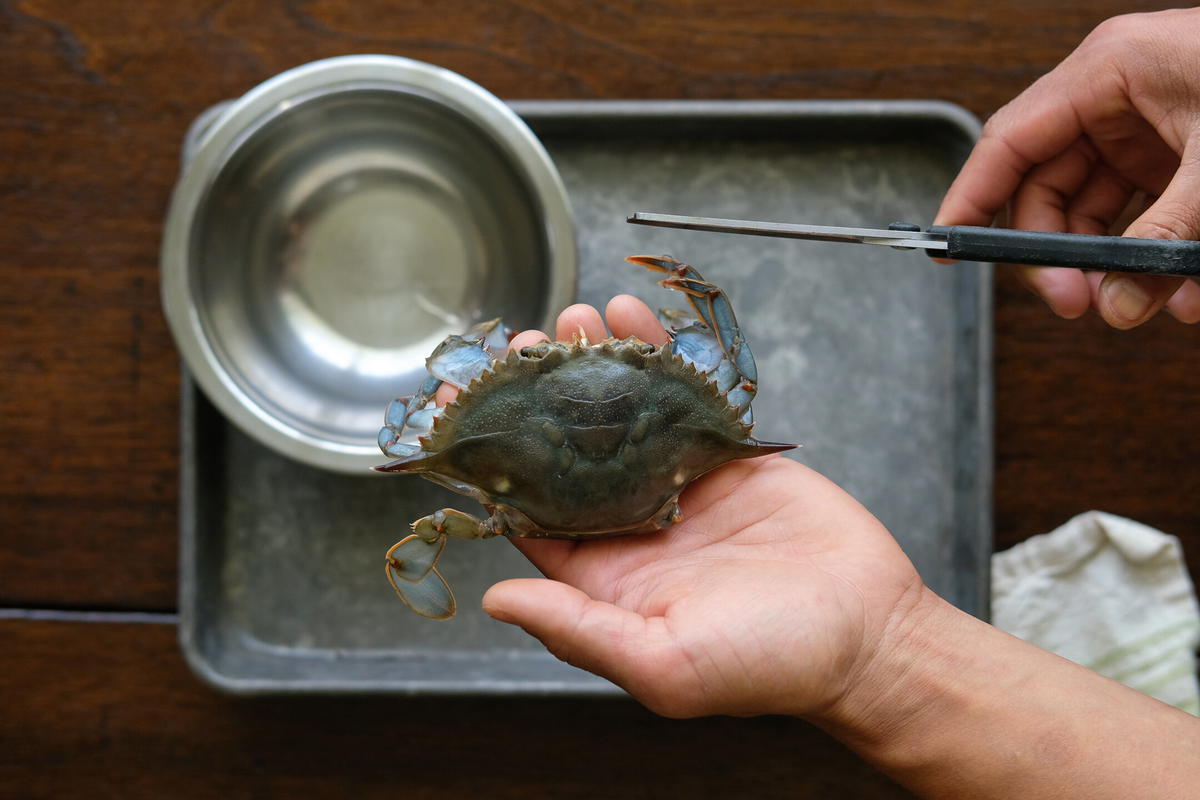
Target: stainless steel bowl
[337,222]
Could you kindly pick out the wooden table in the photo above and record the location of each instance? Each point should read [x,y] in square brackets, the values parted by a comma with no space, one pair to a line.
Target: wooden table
[95,98]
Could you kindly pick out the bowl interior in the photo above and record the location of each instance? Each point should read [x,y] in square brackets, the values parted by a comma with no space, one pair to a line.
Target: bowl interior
[344,238]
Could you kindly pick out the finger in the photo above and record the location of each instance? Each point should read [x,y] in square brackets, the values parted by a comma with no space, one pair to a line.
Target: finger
[1064,289]
[987,180]
[1135,147]
[1011,145]
[1040,201]
[1073,192]
[548,555]
[1176,212]
[445,393]
[1030,130]
[1040,204]
[580,317]
[596,636]
[1184,305]
[1094,279]
[1093,209]
[527,339]
[628,316]
[1099,203]
[448,391]
[1127,301]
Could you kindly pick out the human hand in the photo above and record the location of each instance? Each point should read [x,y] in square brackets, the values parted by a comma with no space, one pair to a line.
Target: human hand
[1119,116]
[778,593]
[771,596]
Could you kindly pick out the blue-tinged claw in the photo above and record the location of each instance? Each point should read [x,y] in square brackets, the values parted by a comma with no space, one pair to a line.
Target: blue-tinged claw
[458,360]
[461,359]
[726,377]
[731,334]
[393,417]
[403,414]
[741,397]
[697,291]
[494,334]
[396,449]
[424,394]
[422,421]
[675,319]
[698,347]
[657,263]
[713,345]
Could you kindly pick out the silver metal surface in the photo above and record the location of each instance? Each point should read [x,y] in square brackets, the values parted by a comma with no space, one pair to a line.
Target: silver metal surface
[878,363]
[789,230]
[336,223]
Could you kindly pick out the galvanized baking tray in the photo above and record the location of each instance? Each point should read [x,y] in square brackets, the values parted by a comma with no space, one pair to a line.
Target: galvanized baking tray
[877,361]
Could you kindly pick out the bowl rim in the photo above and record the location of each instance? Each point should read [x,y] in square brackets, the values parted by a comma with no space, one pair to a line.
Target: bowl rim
[228,128]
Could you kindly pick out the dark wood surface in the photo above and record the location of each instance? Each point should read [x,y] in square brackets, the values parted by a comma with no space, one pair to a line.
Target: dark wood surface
[95,98]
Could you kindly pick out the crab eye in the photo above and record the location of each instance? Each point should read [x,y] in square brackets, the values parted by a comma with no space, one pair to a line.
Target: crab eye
[539,350]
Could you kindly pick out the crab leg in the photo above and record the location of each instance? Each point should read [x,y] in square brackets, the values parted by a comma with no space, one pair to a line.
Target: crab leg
[714,344]
[411,572]
[458,360]
[412,562]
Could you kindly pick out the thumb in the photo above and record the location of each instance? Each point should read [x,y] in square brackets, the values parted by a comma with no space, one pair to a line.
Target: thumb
[1176,212]
[1125,301]
[590,634]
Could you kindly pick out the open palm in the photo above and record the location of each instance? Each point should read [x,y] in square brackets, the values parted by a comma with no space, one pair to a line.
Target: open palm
[767,598]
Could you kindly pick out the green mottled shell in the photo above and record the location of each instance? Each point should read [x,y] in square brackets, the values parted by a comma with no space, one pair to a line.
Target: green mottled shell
[584,439]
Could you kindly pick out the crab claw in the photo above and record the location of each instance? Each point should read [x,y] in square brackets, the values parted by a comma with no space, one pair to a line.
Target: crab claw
[420,586]
[457,360]
[713,343]
[390,444]
[660,264]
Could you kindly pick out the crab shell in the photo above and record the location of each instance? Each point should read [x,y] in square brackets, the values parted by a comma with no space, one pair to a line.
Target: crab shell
[574,440]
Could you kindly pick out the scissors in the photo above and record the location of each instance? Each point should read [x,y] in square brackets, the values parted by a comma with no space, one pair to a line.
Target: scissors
[972,243]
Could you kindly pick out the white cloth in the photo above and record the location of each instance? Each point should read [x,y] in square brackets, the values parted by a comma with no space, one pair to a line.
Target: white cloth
[1111,594]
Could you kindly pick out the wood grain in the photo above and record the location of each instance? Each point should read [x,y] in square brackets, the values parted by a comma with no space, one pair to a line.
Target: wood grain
[110,710]
[1088,417]
[96,98]
[97,105]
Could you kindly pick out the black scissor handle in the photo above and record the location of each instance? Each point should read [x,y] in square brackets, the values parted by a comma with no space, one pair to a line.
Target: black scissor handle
[1105,253]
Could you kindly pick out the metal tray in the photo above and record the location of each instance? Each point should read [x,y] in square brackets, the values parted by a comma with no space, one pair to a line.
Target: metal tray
[878,362]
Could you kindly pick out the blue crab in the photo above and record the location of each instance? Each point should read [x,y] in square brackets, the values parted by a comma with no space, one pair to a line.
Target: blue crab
[572,439]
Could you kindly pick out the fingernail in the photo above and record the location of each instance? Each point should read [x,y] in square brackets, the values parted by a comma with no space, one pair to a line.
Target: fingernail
[495,613]
[1128,300]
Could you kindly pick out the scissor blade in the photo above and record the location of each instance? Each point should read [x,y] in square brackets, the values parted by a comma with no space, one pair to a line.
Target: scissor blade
[824,233]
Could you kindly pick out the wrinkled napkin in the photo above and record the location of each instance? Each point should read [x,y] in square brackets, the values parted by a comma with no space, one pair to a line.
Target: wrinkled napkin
[1110,594]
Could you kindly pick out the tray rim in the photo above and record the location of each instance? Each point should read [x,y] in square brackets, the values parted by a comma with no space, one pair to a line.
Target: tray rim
[537,113]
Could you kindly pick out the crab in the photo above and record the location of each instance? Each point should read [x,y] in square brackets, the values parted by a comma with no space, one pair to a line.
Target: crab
[571,440]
